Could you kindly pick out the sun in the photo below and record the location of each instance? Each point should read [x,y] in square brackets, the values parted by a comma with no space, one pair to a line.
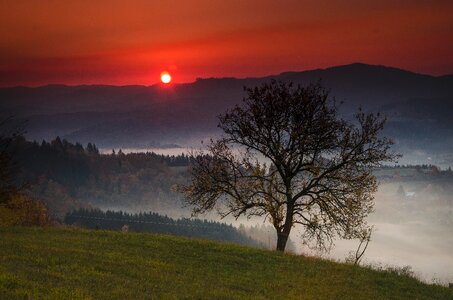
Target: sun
[165,77]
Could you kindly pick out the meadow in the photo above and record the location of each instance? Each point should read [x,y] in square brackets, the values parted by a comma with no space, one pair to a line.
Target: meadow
[72,263]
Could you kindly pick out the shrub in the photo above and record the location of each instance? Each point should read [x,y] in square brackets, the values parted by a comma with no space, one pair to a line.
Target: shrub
[23,210]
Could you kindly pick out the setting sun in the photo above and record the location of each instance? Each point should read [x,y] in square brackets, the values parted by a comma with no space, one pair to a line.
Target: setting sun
[165,77]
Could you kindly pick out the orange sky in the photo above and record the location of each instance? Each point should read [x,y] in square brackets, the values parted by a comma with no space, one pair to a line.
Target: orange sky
[131,42]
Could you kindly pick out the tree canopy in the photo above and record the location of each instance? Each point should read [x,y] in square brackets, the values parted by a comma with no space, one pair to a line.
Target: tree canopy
[286,154]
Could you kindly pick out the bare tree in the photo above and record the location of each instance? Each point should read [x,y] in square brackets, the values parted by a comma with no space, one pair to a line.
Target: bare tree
[287,155]
[364,240]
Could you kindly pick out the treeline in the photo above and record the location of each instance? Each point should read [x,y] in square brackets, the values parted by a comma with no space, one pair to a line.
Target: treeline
[406,173]
[169,160]
[67,176]
[155,223]
[419,167]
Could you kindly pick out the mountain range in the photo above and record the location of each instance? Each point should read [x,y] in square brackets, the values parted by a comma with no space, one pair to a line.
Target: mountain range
[419,109]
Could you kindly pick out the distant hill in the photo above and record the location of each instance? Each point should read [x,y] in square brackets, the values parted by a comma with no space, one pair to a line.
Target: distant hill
[418,106]
[62,263]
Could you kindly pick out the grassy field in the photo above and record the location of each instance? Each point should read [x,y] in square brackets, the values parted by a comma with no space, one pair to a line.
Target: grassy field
[81,264]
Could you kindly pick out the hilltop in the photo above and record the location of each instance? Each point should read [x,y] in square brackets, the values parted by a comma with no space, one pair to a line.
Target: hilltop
[80,264]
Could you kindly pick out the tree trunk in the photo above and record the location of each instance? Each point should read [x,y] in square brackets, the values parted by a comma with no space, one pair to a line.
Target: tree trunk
[282,238]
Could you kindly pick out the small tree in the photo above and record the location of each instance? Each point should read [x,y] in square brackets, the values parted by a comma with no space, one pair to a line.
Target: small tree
[287,155]
[364,240]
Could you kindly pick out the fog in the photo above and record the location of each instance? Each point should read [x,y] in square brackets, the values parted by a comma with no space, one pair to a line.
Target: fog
[414,230]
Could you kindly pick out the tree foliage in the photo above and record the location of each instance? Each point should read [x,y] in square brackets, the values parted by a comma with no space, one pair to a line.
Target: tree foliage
[287,155]
[23,210]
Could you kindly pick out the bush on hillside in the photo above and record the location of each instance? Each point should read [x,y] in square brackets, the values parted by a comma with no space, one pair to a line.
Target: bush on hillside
[23,210]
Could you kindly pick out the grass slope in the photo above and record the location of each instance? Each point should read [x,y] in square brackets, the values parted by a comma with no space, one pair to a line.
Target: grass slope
[81,264]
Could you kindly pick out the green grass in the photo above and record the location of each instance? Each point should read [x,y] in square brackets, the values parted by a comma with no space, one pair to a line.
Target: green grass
[57,263]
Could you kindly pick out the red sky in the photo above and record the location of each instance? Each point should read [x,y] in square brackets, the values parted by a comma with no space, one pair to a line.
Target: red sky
[132,42]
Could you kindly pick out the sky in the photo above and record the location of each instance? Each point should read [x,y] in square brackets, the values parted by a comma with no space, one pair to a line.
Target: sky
[132,42]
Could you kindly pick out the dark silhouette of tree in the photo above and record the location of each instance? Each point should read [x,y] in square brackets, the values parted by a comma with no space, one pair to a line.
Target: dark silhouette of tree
[9,132]
[287,155]
[92,149]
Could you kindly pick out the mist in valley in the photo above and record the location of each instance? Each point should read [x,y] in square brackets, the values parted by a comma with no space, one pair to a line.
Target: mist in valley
[411,229]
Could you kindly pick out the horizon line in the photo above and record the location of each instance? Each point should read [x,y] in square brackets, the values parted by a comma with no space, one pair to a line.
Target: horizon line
[227,77]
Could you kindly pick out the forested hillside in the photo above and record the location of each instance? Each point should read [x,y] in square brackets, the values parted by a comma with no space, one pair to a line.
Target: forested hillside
[68,176]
